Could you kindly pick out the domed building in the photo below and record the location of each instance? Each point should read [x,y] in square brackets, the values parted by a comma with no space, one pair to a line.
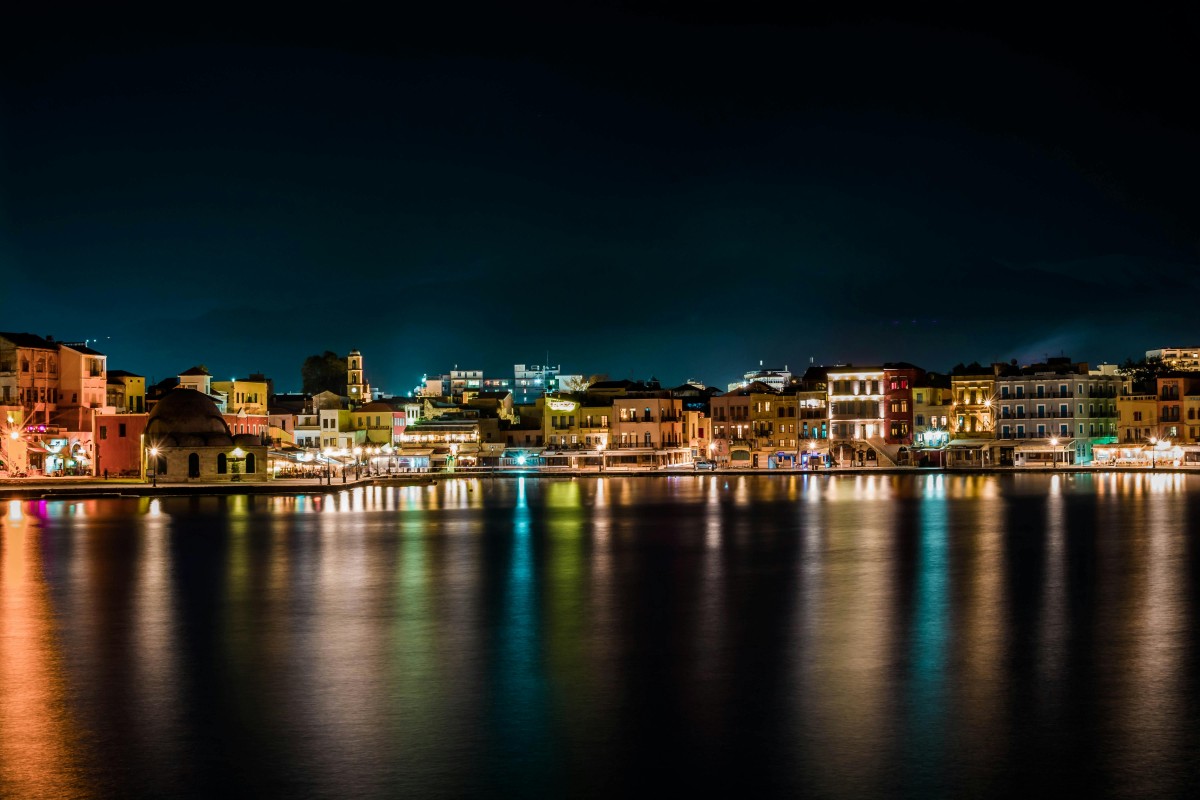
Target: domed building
[193,443]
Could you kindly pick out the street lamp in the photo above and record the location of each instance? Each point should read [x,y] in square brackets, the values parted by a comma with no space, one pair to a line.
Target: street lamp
[1054,452]
[154,472]
[357,463]
[450,462]
[600,450]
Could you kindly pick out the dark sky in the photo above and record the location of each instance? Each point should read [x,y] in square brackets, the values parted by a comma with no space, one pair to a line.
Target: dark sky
[633,192]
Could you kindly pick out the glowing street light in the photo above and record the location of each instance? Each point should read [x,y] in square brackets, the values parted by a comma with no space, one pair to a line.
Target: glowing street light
[1054,452]
[154,472]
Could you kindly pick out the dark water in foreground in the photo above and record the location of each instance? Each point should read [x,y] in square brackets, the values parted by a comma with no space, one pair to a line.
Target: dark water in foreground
[877,636]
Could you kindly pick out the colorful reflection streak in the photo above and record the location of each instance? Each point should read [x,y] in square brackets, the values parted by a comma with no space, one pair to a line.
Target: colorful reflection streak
[811,635]
[39,739]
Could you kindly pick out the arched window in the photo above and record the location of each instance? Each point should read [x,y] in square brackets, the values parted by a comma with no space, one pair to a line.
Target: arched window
[249,463]
[162,464]
[221,463]
[193,466]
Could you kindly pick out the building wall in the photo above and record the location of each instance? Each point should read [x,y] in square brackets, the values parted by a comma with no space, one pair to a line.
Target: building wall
[250,396]
[973,413]
[119,443]
[173,465]
[1137,418]
[83,378]
[856,401]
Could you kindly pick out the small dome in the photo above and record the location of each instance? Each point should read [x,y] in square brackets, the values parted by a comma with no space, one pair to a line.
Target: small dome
[185,415]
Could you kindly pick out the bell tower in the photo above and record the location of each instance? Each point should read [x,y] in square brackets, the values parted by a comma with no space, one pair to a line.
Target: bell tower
[357,389]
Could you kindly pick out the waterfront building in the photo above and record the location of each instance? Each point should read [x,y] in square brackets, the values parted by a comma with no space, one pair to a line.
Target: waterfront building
[647,430]
[732,426]
[898,419]
[374,422]
[451,440]
[29,376]
[1178,400]
[187,440]
[972,415]
[856,414]
[697,433]
[1137,418]
[119,443]
[1055,410]
[932,410]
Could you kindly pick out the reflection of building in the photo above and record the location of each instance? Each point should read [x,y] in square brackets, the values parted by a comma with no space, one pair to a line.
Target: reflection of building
[195,444]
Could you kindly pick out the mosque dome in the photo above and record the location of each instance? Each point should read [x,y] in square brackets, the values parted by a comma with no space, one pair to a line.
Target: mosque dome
[187,418]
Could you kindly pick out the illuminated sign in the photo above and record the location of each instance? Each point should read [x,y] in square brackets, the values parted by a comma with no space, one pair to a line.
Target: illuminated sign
[562,405]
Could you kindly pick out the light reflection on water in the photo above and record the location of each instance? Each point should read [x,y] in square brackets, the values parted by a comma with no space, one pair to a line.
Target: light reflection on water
[858,636]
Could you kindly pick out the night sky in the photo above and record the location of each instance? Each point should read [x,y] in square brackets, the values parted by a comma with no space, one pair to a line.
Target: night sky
[632,192]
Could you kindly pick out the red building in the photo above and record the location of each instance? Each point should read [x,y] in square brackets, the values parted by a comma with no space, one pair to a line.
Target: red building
[119,444]
[898,382]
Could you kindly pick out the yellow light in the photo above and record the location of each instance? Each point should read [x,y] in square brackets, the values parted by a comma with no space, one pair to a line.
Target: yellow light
[14,435]
[238,452]
[154,451]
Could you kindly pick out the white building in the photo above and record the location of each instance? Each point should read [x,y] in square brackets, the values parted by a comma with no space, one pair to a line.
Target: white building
[1181,358]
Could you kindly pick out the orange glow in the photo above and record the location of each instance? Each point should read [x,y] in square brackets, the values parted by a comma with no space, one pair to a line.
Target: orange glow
[37,748]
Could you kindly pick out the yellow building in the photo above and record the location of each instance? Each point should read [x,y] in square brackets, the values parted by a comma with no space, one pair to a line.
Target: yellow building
[243,395]
[375,421]
[1137,418]
[973,411]
[127,392]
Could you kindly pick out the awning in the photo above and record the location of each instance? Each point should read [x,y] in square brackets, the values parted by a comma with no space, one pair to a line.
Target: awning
[970,442]
[416,453]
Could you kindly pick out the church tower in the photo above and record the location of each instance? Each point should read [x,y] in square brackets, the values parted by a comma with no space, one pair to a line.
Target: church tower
[357,389]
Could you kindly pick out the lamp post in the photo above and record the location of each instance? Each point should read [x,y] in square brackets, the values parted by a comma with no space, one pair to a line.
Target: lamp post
[600,450]
[328,466]
[1053,453]
[154,471]
[1153,451]
[357,463]
[450,462]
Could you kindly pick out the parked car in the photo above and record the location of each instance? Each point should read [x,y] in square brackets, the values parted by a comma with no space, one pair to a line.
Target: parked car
[702,464]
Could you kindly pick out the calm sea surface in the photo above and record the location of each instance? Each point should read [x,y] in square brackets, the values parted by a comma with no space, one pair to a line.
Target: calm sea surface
[875,636]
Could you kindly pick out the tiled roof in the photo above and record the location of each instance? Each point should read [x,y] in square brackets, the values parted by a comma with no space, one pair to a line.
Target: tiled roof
[28,340]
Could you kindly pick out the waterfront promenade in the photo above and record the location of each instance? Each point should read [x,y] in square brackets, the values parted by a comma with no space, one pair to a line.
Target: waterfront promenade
[87,486]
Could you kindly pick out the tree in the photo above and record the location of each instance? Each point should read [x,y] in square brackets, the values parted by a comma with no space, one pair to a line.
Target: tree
[579,384]
[1144,374]
[324,373]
